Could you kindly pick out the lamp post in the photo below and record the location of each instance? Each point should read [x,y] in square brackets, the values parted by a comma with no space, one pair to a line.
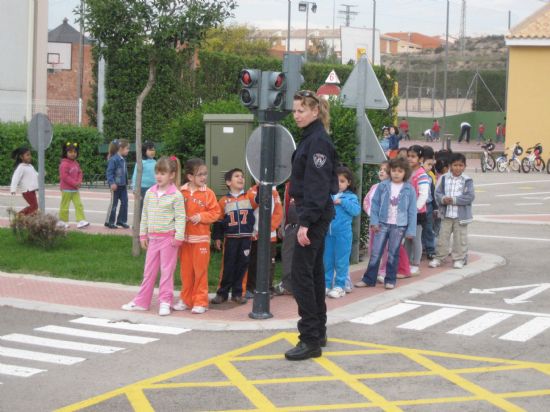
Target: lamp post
[288,30]
[304,6]
[373,30]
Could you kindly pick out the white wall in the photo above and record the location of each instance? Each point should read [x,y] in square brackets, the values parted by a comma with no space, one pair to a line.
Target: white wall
[354,38]
[23,73]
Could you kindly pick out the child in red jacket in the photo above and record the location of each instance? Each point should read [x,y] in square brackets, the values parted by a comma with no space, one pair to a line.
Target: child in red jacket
[70,180]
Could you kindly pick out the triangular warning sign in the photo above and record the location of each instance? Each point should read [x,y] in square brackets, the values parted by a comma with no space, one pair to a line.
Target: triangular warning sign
[371,151]
[332,78]
[375,97]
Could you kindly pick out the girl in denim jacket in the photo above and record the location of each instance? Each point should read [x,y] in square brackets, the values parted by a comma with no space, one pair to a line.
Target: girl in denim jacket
[393,216]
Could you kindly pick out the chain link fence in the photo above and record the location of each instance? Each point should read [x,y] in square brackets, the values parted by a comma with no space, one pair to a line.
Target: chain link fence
[58,111]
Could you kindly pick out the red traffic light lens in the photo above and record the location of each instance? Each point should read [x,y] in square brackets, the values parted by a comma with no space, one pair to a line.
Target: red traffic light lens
[246,78]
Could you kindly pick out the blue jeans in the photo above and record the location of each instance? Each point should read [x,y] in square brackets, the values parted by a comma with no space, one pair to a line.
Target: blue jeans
[392,235]
[119,194]
[428,235]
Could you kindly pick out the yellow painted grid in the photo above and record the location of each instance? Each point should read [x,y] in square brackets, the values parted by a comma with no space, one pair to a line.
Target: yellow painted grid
[135,393]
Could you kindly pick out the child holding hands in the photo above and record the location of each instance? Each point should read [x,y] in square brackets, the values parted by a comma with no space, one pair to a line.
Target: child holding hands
[393,216]
[161,232]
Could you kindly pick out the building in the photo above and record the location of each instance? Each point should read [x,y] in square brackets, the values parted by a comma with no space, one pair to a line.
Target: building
[64,75]
[528,80]
[23,44]
[419,39]
[388,44]
[278,39]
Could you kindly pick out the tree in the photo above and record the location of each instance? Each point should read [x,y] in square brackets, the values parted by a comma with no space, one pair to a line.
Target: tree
[236,39]
[321,52]
[150,27]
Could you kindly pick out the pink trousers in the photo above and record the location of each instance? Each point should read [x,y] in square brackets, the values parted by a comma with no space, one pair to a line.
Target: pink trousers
[160,255]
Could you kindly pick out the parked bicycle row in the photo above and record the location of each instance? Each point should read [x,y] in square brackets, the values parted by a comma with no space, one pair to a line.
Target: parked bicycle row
[532,160]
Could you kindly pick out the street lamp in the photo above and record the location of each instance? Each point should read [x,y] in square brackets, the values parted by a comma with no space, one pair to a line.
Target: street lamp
[304,6]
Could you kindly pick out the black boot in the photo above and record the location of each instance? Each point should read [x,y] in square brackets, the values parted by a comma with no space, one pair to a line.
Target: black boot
[303,351]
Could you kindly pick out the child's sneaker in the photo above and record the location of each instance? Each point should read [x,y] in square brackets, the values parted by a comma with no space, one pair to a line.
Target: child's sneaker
[82,224]
[336,293]
[249,294]
[199,309]
[180,306]
[380,278]
[389,286]
[415,271]
[132,306]
[62,225]
[458,264]
[348,288]
[434,263]
[164,309]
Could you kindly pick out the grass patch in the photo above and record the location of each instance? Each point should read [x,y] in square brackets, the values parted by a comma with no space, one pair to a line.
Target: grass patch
[81,256]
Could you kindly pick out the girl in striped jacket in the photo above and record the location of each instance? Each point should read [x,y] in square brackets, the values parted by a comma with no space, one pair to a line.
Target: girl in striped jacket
[161,232]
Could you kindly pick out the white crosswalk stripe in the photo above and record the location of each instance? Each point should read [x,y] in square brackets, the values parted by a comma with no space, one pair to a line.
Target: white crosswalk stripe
[39,356]
[115,337]
[59,344]
[534,323]
[136,327]
[431,319]
[480,324]
[20,371]
[528,330]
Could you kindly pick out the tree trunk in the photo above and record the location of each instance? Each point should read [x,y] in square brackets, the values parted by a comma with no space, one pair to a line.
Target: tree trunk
[136,247]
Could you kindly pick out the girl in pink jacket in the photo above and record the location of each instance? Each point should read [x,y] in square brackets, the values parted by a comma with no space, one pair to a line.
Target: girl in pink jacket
[70,180]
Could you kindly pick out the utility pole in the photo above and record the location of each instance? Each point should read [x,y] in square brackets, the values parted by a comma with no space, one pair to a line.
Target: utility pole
[463,28]
[80,64]
[348,13]
[445,73]
[373,31]
[288,29]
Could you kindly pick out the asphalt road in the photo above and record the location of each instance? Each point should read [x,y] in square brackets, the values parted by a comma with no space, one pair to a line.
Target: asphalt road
[446,350]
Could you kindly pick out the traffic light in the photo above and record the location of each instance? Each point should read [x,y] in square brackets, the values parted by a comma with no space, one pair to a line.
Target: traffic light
[292,66]
[273,88]
[250,79]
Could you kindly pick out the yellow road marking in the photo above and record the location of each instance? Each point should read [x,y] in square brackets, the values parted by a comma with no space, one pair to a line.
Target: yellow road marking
[226,363]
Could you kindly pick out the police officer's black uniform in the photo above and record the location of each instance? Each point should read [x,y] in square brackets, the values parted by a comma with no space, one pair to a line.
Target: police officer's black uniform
[312,182]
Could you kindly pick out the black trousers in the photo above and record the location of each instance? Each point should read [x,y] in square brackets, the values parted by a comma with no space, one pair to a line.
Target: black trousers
[253,266]
[308,283]
[464,132]
[236,255]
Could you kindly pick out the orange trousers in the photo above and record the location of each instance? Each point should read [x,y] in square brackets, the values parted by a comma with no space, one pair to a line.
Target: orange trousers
[194,261]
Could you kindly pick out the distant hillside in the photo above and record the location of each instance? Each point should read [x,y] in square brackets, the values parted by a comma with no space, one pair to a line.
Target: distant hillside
[483,53]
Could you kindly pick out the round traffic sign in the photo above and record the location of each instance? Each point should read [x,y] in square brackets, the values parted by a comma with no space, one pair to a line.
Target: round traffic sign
[284,148]
[40,128]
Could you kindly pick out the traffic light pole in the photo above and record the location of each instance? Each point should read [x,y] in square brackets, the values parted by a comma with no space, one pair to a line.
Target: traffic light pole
[260,307]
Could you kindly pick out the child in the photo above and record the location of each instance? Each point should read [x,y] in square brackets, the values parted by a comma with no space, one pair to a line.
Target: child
[428,237]
[402,152]
[117,178]
[289,233]
[202,209]
[403,269]
[385,140]
[340,235]
[394,143]
[441,167]
[148,162]
[70,180]
[249,283]
[393,215]
[25,177]
[235,225]
[454,194]
[480,133]
[436,129]
[420,181]
[161,232]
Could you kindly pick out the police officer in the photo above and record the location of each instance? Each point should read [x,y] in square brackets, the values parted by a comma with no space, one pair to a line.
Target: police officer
[312,181]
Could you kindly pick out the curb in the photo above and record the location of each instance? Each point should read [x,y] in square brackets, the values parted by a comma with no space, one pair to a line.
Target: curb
[336,316]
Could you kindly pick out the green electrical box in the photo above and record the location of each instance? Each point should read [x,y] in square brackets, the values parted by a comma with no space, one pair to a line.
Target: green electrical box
[226,138]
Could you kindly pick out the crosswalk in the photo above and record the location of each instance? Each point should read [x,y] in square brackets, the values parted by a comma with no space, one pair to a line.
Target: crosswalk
[423,315]
[66,345]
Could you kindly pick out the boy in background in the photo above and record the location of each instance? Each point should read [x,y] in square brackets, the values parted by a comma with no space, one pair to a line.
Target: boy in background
[454,194]
[235,227]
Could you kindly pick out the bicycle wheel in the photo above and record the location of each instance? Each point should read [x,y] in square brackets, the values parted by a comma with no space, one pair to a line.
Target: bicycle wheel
[515,165]
[538,165]
[491,162]
[501,165]
[525,165]
[483,162]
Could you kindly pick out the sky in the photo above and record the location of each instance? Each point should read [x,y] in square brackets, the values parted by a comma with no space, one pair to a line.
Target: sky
[425,16]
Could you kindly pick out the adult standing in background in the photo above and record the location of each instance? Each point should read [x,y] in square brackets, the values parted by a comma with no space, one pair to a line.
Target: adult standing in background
[404,129]
[465,129]
[312,181]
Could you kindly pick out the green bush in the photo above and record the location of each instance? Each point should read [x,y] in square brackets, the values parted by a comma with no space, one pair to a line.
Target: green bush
[13,135]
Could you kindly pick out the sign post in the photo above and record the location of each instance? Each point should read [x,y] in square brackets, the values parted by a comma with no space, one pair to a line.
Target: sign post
[39,134]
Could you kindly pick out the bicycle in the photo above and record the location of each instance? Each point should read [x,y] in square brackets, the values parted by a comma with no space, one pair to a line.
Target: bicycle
[533,161]
[504,164]
[487,159]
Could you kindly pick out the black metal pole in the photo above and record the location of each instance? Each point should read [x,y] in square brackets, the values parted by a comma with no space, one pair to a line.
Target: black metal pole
[260,307]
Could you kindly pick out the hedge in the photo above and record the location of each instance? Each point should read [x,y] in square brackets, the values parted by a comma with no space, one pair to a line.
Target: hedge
[13,135]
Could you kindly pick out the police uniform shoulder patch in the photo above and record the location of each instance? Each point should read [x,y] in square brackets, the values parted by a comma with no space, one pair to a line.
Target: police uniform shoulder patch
[319,160]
